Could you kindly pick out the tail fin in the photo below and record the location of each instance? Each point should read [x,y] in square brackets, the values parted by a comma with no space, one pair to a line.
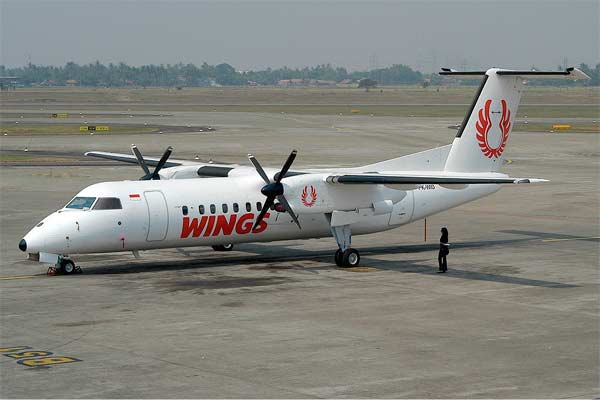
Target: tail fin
[483,135]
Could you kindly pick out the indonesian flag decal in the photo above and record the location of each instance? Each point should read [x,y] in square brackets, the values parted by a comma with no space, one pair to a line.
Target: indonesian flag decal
[135,197]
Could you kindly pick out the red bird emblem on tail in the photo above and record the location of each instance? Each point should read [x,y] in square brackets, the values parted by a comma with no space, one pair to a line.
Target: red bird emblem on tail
[309,196]
[484,125]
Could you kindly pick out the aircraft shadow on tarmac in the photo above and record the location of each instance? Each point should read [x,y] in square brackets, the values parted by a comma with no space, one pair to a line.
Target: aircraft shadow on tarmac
[546,235]
[273,254]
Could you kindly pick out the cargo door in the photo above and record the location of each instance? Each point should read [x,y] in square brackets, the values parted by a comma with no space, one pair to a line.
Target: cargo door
[158,216]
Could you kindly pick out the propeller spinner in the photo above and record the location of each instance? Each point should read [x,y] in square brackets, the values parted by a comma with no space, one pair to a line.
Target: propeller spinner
[161,163]
[274,189]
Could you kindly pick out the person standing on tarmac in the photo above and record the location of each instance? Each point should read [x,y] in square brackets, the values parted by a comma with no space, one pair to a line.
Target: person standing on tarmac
[444,251]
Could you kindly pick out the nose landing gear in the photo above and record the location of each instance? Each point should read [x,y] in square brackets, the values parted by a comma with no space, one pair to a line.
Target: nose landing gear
[64,266]
[223,247]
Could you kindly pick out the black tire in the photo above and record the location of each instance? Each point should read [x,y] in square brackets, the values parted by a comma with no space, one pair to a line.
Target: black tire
[338,258]
[350,258]
[223,247]
[67,267]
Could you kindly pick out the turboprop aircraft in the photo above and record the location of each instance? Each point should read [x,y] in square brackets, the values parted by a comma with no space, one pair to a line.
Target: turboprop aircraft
[170,207]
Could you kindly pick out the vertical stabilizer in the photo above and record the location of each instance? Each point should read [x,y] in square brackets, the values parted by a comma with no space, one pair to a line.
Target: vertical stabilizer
[484,133]
[483,136]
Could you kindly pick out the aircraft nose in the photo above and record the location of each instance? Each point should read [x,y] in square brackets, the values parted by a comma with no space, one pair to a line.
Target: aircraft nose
[23,245]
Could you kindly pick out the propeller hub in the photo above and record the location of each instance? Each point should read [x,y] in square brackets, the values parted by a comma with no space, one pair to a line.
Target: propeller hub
[272,189]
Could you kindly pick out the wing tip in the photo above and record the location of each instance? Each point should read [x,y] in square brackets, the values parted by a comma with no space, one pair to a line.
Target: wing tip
[530,180]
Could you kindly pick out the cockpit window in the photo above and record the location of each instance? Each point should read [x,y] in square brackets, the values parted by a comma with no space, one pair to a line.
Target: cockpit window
[79,203]
[108,203]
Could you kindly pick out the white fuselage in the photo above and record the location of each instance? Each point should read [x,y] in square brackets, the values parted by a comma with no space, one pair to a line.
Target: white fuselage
[202,212]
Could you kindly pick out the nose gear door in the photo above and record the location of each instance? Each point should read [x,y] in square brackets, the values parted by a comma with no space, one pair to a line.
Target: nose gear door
[158,216]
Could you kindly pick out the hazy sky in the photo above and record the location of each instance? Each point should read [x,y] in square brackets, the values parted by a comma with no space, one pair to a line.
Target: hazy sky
[253,35]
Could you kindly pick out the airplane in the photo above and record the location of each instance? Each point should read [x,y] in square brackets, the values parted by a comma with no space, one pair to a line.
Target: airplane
[170,207]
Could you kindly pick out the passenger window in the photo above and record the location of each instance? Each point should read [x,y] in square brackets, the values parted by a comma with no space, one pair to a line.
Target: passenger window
[184,210]
[248,207]
[225,208]
[213,209]
[258,206]
[108,203]
[236,207]
[201,209]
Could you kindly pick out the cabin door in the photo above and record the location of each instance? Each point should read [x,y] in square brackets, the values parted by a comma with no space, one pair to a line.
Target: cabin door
[158,217]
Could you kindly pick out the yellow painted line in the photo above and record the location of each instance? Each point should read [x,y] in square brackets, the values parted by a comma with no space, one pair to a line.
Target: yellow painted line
[360,269]
[8,278]
[565,239]
[508,161]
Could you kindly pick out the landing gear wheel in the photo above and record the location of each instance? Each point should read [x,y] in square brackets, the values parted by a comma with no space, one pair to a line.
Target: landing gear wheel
[350,258]
[223,247]
[67,267]
[338,258]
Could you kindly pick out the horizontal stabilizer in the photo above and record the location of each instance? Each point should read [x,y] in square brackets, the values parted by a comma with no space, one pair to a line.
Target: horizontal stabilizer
[570,73]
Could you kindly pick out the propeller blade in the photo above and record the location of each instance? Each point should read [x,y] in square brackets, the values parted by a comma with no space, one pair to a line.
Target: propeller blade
[268,203]
[161,162]
[286,166]
[138,155]
[288,208]
[259,169]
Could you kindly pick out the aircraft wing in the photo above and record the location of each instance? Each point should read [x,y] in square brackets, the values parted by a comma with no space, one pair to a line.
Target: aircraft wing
[204,168]
[418,179]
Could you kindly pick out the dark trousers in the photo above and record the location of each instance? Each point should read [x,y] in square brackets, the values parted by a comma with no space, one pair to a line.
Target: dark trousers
[442,262]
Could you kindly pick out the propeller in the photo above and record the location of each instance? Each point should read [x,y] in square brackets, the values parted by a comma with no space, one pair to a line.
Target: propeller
[274,189]
[161,163]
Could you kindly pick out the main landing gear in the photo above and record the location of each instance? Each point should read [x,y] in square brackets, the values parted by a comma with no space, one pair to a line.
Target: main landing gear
[223,247]
[345,256]
[64,266]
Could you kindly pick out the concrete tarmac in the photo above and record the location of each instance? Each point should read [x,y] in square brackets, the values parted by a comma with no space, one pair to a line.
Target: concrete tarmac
[516,316]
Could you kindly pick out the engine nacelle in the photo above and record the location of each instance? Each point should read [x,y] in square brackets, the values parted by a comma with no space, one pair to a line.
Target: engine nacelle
[309,194]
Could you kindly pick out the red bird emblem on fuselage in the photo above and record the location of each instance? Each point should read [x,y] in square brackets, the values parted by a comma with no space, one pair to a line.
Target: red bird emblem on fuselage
[309,196]
[483,126]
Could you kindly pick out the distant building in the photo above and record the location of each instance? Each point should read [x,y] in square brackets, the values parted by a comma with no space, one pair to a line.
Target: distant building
[347,83]
[8,82]
[305,82]
[71,82]
[321,82]
[291,82]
